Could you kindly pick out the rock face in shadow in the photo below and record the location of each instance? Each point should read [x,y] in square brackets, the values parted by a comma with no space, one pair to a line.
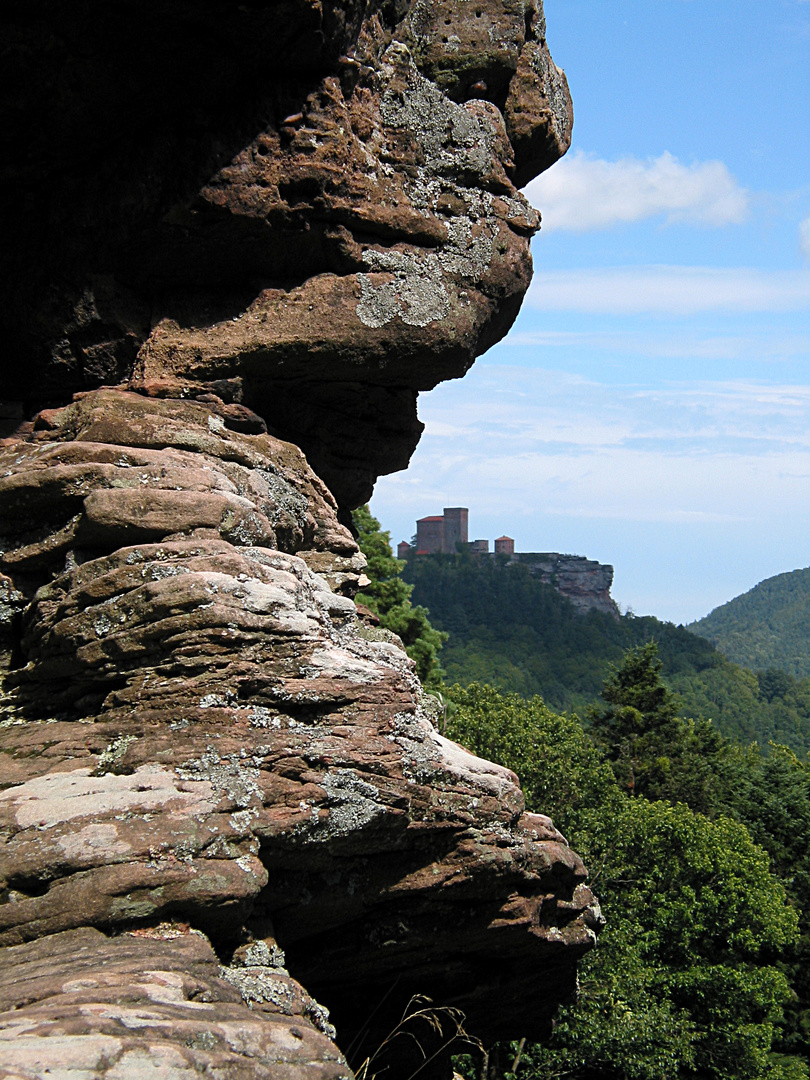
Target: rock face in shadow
[239,235]
[308,206]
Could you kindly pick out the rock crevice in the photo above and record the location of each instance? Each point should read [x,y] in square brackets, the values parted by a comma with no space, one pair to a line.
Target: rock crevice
[227,292]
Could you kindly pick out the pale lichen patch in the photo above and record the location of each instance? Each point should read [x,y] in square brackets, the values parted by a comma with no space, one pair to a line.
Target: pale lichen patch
[59,797]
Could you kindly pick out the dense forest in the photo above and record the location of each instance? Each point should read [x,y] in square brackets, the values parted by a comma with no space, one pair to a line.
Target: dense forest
[702,868]
[698,843]
[767,627]
[508,629]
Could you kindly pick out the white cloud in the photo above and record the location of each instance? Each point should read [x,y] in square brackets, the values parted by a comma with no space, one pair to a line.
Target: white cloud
[694,491]
[583,193]
[635,484]
[501,409]
[522,444]
[804,237]
[675,290]
[772,345]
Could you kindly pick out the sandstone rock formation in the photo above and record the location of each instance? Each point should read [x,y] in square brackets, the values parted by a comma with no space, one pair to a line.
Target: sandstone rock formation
[209,761]
[154,1002]
[308,206]
[197,728]
[585,582]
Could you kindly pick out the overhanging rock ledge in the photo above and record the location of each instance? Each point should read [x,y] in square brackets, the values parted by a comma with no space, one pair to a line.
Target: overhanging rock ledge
[224,810]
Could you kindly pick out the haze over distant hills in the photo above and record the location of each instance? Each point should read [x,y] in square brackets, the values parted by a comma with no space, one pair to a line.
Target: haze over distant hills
[767,627]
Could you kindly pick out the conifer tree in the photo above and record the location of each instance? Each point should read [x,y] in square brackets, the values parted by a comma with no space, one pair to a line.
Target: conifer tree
[639,725]
[388,596]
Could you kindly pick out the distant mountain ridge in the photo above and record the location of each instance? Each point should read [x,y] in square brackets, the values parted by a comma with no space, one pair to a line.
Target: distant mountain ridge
[509,628]
[766,627]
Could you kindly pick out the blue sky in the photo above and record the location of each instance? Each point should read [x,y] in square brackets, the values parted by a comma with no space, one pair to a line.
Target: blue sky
[651,406]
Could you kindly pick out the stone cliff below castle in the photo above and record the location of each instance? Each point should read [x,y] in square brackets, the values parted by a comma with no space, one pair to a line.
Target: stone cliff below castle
[584,582]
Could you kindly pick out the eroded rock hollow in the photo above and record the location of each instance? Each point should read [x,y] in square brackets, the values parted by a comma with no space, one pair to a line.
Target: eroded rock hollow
[242,238]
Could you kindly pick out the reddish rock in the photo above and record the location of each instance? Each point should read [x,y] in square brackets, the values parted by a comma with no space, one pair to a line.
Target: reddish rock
[276,223]
[80,1004]
[317,238]
[199,728]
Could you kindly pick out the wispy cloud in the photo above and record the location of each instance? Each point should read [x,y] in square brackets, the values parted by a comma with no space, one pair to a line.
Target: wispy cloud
[623,483]
[674,290]
[775,344]
[512,438]
[694,490]
[527,410]
[583,193]
[804,237]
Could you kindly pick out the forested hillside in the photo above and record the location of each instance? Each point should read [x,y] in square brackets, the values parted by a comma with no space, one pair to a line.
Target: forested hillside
[703,873]
[698,845]
[767,627]
[509,629]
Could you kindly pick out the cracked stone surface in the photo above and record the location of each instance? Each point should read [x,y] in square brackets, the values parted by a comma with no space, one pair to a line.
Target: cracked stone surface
[320,237]
[239,239]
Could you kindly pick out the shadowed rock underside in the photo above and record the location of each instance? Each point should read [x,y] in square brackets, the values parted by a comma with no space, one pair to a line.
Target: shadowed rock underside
[308,206]
[225,806]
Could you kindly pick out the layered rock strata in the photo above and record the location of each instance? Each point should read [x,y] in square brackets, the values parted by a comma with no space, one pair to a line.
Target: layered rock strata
[585,582]
[308,206]
[198,729]
[237,234]
[155,1002]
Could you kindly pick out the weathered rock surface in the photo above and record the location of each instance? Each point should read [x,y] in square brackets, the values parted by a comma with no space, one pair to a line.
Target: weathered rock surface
[196,728]
[237,234]
[585,582]
[309,206]
[155,1002]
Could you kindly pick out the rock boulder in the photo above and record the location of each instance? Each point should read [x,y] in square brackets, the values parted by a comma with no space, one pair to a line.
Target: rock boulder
[240,238]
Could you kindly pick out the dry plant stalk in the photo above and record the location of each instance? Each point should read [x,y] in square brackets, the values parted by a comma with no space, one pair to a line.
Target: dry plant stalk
[436,1018]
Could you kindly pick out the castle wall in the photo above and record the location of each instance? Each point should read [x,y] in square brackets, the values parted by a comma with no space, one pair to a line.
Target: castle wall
[430,535]
[456,520]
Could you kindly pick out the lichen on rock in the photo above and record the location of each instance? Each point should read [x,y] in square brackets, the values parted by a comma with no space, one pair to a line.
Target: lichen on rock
[204,730]
[218,787]
[379,182]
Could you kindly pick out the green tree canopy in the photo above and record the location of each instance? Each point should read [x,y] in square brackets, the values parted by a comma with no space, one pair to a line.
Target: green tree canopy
[388,596]
[638,727]
[681,984]
[690,906]
[638,698]
[510,629]
[767,627]
[561,771]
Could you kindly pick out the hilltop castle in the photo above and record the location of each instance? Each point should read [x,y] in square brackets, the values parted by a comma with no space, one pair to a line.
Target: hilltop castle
[447,533]
[585,582]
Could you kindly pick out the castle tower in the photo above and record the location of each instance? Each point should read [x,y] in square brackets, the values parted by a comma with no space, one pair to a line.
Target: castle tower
[455,528]
[429,535]
[504,545]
